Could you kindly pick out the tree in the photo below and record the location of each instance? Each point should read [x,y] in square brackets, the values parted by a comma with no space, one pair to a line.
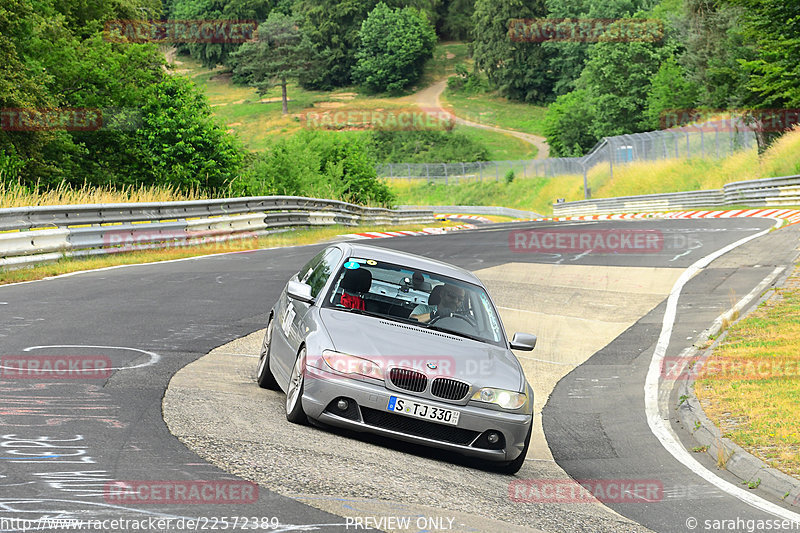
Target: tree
[212,54]
[455,19]
[520,70]
[567,58]
[671,89]
[333,27]
[179,143]
[617,76]
[714,48]
[394,45]
[281,53]
[774,27]
[568,124]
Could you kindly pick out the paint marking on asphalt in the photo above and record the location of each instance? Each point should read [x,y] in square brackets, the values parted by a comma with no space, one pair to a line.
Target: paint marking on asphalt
[154,357]
[661,428]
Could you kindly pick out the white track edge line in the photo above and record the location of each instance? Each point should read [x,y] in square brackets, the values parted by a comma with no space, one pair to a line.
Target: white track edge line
[662,431]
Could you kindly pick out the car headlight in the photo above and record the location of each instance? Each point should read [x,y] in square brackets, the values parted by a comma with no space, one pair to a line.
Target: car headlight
[504,398]
[350,364]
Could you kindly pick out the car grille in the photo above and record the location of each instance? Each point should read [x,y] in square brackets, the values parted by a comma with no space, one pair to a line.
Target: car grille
[449,389]
[408,379]
[418,428]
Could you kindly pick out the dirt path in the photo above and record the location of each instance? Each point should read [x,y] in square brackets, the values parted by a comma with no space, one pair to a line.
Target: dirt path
[430,98]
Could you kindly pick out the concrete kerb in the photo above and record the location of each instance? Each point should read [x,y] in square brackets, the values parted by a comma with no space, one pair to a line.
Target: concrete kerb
[752,472]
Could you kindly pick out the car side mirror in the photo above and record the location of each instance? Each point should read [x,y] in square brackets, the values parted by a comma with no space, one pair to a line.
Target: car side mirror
[523,342]
[300,291]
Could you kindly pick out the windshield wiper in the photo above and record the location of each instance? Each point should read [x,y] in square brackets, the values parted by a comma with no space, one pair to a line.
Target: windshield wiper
[451,332]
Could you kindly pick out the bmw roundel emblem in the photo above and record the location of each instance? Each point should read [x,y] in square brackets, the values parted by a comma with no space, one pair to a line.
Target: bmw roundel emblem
[432,366]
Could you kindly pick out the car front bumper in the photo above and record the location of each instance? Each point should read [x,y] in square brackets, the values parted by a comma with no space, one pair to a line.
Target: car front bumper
[321,389]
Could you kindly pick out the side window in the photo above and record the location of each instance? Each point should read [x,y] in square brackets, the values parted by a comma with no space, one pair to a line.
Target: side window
[308,268]
[319,274]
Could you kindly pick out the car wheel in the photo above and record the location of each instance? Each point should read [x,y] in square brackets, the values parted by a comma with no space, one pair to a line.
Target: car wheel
[264,376]
[512,467]
[294,392]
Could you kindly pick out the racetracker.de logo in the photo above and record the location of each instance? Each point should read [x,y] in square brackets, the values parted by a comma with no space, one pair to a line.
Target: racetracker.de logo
[179,31]
[565,241]
[180,492]
[585,30]
[730,120]
[402,119]
[586,491]
[728,369]
[55,367]
[379,366]
[51,119]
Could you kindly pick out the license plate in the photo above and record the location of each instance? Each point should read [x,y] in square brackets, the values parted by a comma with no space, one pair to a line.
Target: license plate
[423,411]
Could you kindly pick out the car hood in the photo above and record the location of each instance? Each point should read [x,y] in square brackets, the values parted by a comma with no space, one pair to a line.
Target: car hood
[399,344]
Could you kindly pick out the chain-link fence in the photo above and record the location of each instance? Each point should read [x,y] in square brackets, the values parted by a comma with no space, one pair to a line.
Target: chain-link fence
[715,139]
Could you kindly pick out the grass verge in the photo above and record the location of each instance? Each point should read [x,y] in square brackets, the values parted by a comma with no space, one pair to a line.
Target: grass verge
[289,238]
[750,385]
[496,111]
[13,194]
[651,177]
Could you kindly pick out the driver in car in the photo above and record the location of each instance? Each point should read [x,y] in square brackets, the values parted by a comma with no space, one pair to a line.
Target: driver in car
[443,301]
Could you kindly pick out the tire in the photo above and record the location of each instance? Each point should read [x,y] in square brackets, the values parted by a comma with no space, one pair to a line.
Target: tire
[264,376]
[512,467]
[294,391]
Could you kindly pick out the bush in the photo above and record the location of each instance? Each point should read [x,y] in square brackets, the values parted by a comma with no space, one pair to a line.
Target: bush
[467,82]
[318,164]
[394,45]
[567,124]
[425,147]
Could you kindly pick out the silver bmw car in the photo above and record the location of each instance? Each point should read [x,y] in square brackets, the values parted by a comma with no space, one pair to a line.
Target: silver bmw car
[395,344]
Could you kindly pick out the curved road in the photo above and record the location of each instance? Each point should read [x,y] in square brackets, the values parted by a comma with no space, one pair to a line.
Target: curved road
[64,441]
[430,98]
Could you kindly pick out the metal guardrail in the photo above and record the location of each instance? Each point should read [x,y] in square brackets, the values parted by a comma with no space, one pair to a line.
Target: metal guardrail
[770,192]
[475,210]
[48,233]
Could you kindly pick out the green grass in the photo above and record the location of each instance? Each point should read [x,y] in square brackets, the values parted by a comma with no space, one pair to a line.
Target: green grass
[752,385]
[496,111]
[533,194]
[445,58]
[501,146]
[677,175]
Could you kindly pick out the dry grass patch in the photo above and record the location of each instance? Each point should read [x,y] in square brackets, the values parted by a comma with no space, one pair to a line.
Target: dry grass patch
[15,195]
[750,387]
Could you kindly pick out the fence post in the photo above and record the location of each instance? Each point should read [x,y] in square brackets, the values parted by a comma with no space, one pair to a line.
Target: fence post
[496,172]
[702,141]
[480,166]
[445,173]
[688,148]
[586,192]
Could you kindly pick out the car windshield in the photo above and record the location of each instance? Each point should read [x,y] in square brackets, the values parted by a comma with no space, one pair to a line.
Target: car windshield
[418,297]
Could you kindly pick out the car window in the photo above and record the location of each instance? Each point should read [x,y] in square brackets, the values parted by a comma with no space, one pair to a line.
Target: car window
[322,271]
[398,293]
[308,268]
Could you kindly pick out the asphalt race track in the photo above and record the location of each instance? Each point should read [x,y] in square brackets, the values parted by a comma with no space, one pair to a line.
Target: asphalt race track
[65,442]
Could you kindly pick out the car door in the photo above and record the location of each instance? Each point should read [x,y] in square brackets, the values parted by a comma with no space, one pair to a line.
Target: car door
[292,314]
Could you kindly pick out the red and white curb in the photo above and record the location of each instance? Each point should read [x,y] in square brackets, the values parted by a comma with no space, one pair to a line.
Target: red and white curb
[387,234]
[791,216]
[476,218]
